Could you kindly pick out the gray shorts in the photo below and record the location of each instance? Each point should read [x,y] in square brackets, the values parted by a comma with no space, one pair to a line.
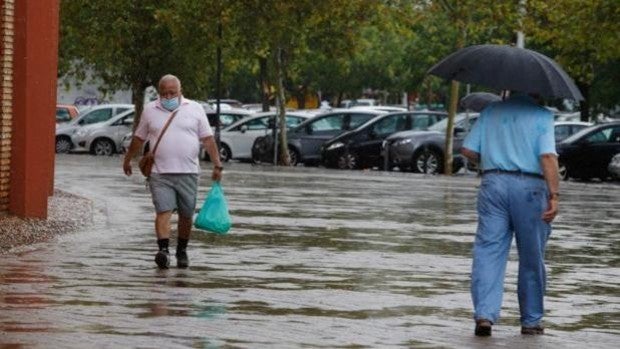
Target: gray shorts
[174,191]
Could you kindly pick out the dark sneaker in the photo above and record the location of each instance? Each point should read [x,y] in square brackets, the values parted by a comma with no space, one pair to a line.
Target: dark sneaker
[533,330]
[162,258]
[182,259]
[483,328]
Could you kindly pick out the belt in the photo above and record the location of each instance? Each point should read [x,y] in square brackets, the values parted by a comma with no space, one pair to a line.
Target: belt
[515,172]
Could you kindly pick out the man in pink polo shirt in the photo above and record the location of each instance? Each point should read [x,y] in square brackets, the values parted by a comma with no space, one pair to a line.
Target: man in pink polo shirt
[174,179]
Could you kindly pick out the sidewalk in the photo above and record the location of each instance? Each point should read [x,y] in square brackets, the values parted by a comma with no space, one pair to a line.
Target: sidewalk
[316,258]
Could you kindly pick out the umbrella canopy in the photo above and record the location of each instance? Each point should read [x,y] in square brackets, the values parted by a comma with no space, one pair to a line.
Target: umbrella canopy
[508,68]
[478,100]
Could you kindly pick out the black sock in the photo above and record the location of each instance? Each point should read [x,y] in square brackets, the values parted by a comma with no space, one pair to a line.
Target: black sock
[163,244]
[182,244]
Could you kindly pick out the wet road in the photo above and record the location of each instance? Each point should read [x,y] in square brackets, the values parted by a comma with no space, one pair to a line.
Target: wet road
[316,258]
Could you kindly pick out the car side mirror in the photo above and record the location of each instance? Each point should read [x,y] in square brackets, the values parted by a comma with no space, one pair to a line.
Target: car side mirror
[309,129]
[243,128]
[372,134]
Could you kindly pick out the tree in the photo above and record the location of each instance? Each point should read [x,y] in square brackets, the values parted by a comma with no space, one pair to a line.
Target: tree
[130,44]
[583,36]
[279,33]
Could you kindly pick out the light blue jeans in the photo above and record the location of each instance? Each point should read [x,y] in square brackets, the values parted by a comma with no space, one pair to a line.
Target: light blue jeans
[507,204]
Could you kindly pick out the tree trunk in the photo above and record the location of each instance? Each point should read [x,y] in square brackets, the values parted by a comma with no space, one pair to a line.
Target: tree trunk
[454,97]
[137,98]
[281,99]
[584,106]
[264,83]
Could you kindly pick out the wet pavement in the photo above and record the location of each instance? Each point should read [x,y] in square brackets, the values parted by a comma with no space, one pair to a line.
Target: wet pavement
[316,259]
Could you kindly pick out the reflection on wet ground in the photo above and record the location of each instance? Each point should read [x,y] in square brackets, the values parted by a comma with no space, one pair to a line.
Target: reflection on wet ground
[316,258]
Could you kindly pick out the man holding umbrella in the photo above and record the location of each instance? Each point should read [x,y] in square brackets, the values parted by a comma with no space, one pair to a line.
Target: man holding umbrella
[514,142]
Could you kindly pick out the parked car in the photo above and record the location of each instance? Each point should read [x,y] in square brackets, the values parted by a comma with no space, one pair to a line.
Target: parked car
[66,113]
[587,153]
[614,166]
[304,141]
[94,115]
[227,117]
[104,138]
[362,147]
[565,129]
[237,139]
[424,151]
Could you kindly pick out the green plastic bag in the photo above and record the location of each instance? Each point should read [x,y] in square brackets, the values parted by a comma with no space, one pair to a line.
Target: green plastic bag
[213,215]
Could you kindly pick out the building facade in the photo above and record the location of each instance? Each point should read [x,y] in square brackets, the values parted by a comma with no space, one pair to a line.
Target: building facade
[29,65]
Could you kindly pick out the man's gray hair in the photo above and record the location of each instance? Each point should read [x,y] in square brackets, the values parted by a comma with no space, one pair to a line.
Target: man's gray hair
[168,77]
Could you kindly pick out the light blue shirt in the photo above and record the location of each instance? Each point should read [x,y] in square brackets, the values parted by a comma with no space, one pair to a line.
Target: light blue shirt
[512,135]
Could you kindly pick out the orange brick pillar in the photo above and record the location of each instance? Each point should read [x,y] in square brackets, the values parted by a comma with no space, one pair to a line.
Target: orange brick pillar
[35,66]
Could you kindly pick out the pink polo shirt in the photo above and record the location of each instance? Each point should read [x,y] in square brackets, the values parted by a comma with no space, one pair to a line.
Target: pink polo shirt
[180,146]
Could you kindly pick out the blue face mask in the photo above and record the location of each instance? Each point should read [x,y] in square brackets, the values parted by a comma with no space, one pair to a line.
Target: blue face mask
[170,104]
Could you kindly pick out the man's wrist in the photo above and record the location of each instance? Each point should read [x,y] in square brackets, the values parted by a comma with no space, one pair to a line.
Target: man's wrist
[554,195]
[218,167]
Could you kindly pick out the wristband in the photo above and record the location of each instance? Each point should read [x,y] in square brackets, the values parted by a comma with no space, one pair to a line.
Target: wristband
[218,168]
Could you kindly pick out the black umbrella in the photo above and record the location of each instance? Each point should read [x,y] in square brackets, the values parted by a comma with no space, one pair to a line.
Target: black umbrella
[508,68]
[478,100]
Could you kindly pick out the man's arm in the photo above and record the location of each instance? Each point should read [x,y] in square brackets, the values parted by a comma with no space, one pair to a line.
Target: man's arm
[214,155]
[134,147]
[471,155]
[549,164]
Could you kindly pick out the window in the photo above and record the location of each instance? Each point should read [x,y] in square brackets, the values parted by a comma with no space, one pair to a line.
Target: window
[292,121]
[121,109]
[226,119]
[420,122]
[256,124]
[127,120]
[562,132]
[359,119]
[328,123]
[390,124]
[62,115]
[601,136]
[96,116]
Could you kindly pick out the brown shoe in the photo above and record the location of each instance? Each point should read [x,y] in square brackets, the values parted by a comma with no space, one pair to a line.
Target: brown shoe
[483,328]
[532,330]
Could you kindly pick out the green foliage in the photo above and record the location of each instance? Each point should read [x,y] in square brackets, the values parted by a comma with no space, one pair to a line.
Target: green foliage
[339,47]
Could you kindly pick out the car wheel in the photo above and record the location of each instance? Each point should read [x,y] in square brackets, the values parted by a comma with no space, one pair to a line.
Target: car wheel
[563,171]
[348,161]
[427,161]
[103,147]
[293,156]
[63,145]
[225,153]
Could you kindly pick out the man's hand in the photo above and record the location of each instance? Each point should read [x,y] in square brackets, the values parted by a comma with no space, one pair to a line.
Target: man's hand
[127,166]
[217,174]
[552,210]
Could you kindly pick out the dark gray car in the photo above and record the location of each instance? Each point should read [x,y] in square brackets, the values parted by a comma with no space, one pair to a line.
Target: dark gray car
[424,151]
[305,140]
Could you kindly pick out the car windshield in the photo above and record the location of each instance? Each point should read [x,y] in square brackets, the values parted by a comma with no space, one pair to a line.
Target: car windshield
[577,135]
[95,116]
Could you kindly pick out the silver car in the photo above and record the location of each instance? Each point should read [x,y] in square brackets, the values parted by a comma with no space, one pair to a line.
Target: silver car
[104,138]
[96,114]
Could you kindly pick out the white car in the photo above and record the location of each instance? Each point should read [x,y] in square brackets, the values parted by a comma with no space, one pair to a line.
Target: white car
[104,138]
[96,114]
[237,139]
[565,129]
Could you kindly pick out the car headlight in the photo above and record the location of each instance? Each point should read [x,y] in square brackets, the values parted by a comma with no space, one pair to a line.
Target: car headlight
[403,141]
[335,146]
